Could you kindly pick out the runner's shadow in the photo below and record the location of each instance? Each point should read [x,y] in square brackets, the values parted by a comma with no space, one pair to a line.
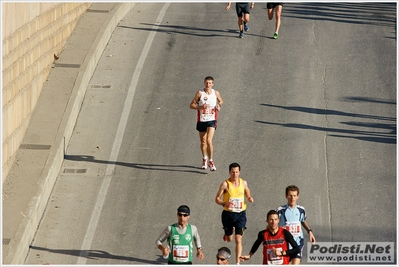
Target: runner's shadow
[142,166]
[97,254]
[184,30]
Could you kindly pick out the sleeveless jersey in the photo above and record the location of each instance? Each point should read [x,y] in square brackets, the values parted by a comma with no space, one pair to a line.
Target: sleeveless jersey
[209,114]
[277,241]
[235,195]
[181,245]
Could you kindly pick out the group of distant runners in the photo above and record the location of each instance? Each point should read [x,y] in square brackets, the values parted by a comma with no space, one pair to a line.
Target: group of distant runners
[243,14]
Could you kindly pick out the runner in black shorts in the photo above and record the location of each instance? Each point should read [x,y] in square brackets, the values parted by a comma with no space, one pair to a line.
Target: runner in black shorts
[231,195]
[242,10]
[279,9]
[208,103]
[233,220]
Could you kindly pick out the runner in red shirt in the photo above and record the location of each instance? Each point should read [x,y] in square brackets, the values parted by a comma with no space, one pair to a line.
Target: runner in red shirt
[275,242]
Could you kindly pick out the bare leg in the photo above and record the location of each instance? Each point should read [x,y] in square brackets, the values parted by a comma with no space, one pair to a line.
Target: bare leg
[210,132]
[278,17]
[296,261]
[238,247]
[203,145]
[240,27]
[270,13]
[246,18]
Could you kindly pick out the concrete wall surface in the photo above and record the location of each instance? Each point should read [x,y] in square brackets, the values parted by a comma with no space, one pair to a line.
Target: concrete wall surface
[32,33]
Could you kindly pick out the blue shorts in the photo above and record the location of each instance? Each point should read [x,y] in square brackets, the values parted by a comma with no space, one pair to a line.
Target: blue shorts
[299,255]
[238,220]
[201,126]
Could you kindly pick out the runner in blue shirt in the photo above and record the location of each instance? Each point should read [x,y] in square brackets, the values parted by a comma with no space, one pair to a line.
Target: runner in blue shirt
[292,217]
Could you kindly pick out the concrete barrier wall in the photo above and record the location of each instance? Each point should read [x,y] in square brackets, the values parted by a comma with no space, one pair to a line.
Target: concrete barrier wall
[31,34]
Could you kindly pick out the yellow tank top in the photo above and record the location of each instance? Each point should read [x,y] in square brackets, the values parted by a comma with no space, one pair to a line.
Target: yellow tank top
[235,195]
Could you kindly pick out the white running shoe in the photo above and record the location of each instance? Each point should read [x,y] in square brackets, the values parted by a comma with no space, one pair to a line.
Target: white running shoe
[211,165]
[204,163]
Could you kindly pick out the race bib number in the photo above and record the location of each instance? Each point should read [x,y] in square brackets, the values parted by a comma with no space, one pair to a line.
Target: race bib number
[272,258]
[208,114]
[180,253]
[238,204]
[294,228]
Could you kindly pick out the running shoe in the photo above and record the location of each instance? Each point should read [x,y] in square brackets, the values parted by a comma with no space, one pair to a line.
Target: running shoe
[241,35]
[275,36]
[211,165]
[204,163]
[246,28]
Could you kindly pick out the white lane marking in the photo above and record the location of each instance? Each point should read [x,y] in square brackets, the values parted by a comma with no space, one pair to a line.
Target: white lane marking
[95,216]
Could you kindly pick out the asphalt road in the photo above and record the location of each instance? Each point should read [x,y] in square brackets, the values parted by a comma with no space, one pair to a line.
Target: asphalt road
[315,108]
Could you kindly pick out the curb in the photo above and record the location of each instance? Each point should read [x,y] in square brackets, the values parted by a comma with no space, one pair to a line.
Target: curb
[19,246]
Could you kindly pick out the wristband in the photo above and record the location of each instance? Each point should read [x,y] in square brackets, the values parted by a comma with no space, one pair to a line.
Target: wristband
[310,230]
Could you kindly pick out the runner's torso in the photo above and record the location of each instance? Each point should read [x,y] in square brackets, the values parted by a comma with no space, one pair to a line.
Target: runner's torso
[181,245]
[210,113]
[274,241]
[235,195]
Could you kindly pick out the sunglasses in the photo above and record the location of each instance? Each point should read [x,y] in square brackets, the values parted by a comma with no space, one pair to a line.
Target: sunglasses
[222,259]
[183,214]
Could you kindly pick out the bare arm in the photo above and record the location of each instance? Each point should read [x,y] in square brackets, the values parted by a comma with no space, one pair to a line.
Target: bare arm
[247,191]
[194,102]
[219,194]
[219,99]
[228,6]
[307,228]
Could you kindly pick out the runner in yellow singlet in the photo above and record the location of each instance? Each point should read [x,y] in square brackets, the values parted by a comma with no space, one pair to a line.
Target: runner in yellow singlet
[231,195]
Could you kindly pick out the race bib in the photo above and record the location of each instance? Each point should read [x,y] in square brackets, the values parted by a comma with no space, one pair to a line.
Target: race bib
[208,114]
[180,253]
[272,258]
[294,228]
[238,204]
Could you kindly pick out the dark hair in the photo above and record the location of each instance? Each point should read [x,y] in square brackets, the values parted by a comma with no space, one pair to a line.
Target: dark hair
[234,165]
[225,249]
[291,188]
[271,212]
[209,78]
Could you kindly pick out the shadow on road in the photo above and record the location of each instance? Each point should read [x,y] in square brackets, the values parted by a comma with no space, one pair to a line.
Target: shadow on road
[379,14]
[382,133]
[186,30]
[97,254]
[142,166]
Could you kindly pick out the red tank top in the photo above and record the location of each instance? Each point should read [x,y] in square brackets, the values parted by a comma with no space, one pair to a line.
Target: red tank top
[277,241]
